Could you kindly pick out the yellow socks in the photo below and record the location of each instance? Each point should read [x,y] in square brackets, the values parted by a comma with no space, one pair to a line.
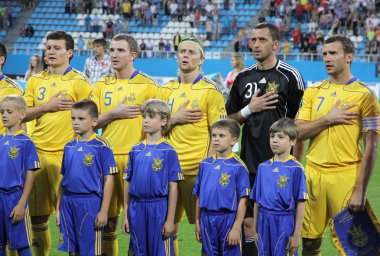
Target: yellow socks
[110,244]
[41,239]
[175,243]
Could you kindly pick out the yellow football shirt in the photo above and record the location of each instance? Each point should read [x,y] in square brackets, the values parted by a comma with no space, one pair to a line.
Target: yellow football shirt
[192,141]
[338,147]
[108,93]
[54,130]
[7,87]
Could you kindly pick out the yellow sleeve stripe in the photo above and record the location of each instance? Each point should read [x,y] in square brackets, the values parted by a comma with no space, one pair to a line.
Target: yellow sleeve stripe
[180,176]
[37,165]
[247,191]
[113,170]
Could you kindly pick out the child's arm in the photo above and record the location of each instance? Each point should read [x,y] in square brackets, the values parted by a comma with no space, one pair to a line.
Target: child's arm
[235,233]
[169,227]
[255,218]
[198,233]
[127,198]
[58,208]
[101,218]
[18,212]
[294,240]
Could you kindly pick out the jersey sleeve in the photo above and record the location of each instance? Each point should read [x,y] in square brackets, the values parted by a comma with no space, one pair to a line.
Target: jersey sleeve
[370,113]
[32,160]
[243,186]
[216,109]
[295,93]
[96,92]
[108,162]
[299,185]
[175,173]
[83,90]
[152,91]
[163,93]
[29,92]
[234,101]
[129,170]
[304,112]
[198,181]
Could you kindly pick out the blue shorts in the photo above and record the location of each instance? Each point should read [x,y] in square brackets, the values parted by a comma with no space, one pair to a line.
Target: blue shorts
[146,219]
[77,225]
[274,230]
[16,235]
[215,227]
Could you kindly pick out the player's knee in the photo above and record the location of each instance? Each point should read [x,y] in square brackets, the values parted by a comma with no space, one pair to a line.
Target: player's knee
[311,246]
[248,226]
[111,225]
[39,219]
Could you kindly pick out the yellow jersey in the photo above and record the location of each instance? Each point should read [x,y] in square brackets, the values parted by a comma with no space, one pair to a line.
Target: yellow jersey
[192,141]
[7,87]
[53,130]
[338,147]
[108,92]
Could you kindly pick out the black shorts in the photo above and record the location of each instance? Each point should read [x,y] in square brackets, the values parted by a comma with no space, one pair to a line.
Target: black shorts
[249,211]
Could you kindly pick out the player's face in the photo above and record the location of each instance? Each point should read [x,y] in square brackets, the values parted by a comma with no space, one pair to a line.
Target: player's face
[335,59]
[56,53]
[280,143]
[11,116]
[222,141]
[153,123]
[83,122]
[121,56]
[98,50]
[189,57]
[263,46]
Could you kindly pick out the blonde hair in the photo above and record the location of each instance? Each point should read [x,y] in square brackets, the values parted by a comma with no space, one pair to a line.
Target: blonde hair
[154,106]
[239,61]
[19,100]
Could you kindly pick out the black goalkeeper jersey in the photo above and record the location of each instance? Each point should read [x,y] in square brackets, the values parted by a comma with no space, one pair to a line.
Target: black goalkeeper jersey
[288,83]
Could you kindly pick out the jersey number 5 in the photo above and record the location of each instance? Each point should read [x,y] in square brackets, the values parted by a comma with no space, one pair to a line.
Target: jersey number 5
[249,92]
[107,98]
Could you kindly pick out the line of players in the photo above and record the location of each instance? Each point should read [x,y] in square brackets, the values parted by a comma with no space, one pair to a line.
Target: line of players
[340,105]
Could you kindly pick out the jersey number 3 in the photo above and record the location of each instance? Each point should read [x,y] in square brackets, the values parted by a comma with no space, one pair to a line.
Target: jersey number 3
[41,96]
[249,91]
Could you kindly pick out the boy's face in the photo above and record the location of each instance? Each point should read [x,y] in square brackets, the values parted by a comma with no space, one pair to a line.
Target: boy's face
[152,122]
[222,139]
[11,115]
[280,143]
[83,122]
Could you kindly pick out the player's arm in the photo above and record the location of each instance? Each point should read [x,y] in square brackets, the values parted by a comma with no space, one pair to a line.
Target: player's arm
[169,227]
[17,213]
[235,233]
[198,234]
[256,208]
[357,200]
[294,240]
[58,207]
[101,218]
[127,199]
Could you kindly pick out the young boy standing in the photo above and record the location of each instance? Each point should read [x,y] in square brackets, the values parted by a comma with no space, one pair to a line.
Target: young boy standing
[88,169]
[222,187]
[18,161]
[279,194]
[151,186]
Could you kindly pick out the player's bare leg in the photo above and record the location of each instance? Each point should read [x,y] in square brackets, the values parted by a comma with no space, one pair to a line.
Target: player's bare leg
[311,247]
[41,238]
[249,242]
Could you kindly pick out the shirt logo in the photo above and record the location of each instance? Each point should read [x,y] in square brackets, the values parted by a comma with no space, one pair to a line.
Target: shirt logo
[359,238]
[224,179]
[88,159]
[64,93]
[272,87]
[217,167]
[157,164]
[80,149]
[195,103]
[53,85]
[333,94]
[344,103]
[275,170]
[282,181]
[183,95]
[132,97]
[148,154]
[13,152]
[263,81]
[120,89]
[6,143]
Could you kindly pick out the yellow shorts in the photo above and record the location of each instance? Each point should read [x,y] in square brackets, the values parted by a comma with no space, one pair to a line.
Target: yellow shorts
[43,196]
[117,199]
[186,200]
[329,192]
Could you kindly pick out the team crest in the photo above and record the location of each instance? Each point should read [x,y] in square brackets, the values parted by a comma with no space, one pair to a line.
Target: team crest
[359,238]
[282,181]
[344,103]
[195,103]
[272,87]
[64,94]
[157,164]
[224,179]
[13,152]
[88,159]
[60,239]
[132,97]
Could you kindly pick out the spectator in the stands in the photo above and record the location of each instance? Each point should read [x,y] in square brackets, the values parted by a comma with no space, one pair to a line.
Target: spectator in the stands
[176,40]
[112,6]
[35,66]
[143,49]
[95,23]
[80,44]
[88,6]
[286,46]
[29,31]
[21,31]
[67,7]
[87,22]
[127,9]
[108,32]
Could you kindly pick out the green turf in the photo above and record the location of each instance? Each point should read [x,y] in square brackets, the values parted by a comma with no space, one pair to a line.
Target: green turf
[189,246]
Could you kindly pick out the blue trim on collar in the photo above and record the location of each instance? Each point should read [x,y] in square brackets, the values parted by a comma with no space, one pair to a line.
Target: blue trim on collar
[68,70]
[134,74]
[351,80]
[199,77]
[2,76]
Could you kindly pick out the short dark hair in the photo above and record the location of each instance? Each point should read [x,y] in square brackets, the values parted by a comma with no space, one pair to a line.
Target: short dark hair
[62,35]
[285,125]
[347,44]
[88,105]
[100,41]
[274,32]
[231,125]
[133,47]
[3,52]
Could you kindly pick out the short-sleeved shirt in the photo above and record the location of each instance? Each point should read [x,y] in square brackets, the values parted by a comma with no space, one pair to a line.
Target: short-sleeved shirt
[280,185]
[53,130]
[84,165]
[95,69]
[108,93]
[191,141]
[7,87]
[221,183]
[339,146]
[287,82]
[151,168]
[17,156]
